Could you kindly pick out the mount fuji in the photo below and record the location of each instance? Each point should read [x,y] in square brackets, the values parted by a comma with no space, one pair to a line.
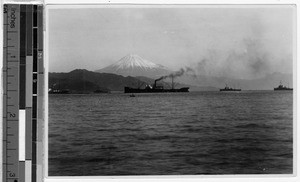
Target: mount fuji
[134,65]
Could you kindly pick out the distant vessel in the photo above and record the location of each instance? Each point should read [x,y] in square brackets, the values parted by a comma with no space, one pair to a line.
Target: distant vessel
[155,88]
[55,89]
[229,89]
[58,91]
[281,87]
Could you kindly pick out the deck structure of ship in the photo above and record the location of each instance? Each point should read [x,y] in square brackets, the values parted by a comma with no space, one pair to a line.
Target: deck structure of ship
[155,88]
[227,88]
[281,87]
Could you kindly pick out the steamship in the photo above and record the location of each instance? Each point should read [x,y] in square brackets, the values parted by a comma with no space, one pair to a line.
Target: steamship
[281,87]
[230,89]
[155,88]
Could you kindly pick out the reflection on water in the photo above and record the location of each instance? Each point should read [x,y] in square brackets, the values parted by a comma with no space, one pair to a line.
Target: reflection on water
[171,134]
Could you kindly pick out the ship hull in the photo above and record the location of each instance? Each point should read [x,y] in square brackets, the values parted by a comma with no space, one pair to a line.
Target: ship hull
[137,90]
[230,90]
[282,89]
[59,92]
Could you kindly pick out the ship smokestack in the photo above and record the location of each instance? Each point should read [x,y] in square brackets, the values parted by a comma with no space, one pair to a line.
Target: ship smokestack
[154,86]
[179,73]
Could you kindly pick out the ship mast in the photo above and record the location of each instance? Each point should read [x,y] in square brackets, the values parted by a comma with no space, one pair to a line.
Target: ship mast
[172,82]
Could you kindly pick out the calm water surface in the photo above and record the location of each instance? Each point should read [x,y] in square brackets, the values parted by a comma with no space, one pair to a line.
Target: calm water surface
[250,132]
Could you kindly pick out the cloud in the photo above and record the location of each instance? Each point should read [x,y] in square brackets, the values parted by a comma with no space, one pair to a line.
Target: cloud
[251,61]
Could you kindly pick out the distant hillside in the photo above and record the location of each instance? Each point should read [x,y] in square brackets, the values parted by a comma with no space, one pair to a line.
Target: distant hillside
[84,81]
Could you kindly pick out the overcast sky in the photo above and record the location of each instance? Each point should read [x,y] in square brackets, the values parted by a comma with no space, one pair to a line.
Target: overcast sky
[233,41]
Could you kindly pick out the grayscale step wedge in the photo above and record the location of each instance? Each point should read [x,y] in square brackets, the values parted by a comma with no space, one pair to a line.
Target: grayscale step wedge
[23,93]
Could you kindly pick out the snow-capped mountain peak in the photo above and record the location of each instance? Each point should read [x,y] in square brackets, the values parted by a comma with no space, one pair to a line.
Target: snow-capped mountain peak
[134,65]
[133,60]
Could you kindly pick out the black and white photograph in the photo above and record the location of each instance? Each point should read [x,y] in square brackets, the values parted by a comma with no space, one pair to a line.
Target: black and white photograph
[143,90]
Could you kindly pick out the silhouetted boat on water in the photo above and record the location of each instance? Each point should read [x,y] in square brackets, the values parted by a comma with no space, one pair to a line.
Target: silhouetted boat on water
[230,89]
[281,87]
[154,89]
[56,89]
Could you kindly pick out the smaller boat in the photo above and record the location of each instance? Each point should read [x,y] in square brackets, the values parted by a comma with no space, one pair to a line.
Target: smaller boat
[281,87]
[55,89]
[229,89]
[58,91]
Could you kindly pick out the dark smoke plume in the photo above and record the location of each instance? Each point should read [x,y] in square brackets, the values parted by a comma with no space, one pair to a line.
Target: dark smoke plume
[179,73]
